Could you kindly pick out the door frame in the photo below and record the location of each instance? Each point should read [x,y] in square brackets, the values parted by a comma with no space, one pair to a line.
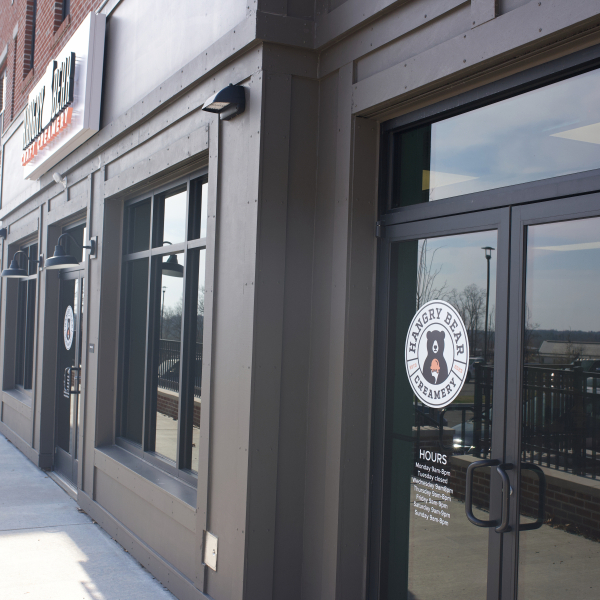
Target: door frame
[499,220]
[552,211]
[78,273]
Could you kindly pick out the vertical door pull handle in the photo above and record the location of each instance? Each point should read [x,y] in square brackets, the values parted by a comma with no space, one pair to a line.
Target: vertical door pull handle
[480,464]
[506,492]
[541,498]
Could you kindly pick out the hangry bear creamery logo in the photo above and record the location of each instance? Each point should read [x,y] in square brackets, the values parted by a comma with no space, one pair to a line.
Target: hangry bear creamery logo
[437,353]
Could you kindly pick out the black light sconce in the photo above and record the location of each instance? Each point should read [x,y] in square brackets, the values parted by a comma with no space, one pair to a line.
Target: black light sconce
[172,268]
[3,233]
[15,271]
[227,103]
[62,260]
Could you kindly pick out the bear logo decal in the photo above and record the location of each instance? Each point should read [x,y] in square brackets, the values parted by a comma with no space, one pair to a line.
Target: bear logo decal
[437,353]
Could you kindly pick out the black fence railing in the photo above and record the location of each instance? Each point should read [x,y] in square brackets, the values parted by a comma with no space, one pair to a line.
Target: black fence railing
[561,419]
[168,366]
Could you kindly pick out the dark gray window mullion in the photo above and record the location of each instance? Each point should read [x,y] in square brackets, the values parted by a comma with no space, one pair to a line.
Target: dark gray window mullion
[145,409]
[188,350]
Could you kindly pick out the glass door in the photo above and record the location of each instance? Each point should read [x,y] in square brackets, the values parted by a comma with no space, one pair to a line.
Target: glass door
[553,418]
[68,375]
[440,409]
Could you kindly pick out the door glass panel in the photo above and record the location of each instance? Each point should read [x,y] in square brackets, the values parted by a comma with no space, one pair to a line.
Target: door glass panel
[560,436]
[67,327]
[551,131]
[425,529]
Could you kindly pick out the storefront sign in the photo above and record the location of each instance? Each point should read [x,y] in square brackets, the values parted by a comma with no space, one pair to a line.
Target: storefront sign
[69,328]
[63,110]
[437,353]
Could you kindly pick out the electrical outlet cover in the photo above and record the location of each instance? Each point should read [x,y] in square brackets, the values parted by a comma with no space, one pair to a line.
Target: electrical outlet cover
[210,550]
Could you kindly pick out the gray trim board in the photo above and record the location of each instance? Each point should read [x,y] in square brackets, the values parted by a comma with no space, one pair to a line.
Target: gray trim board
[43,461]
[170,495]
[165,572]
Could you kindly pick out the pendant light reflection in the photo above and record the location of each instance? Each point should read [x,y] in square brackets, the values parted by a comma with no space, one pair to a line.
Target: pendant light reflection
[171,267]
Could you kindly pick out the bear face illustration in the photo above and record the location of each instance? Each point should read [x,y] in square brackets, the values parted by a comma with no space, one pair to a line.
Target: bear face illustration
[435,369]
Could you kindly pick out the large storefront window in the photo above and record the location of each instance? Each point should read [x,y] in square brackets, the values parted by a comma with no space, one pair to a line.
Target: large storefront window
[163,322]
[548,132]
[26,318]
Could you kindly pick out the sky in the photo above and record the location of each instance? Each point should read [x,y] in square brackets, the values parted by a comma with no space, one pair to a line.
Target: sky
[526,138]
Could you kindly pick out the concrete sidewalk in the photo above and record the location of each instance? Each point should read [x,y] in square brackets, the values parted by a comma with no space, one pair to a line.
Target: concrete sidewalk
[51,551]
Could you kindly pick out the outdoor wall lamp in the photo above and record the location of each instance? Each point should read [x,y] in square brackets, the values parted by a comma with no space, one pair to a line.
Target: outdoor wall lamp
[15,271]
[227,103]
[61,259]
[172,268]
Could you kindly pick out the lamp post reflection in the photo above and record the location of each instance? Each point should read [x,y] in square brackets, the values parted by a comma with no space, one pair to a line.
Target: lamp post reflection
[162,310]
[488,255]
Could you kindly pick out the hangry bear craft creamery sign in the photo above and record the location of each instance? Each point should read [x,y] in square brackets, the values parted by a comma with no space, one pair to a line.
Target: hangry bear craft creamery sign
[63,109]
[437,353]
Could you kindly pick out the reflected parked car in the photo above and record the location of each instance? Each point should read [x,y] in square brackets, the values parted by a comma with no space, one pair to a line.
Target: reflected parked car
[466,445]
[471,369]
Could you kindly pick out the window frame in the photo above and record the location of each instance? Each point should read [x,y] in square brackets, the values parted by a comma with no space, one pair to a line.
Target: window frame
[24,347]
[540,76]
[181,468]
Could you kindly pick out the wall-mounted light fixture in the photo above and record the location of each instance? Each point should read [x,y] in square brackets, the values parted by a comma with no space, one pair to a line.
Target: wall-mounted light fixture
[60,179]
[171,267]
[62,260]
[227,103]
[3,233]
[15,271]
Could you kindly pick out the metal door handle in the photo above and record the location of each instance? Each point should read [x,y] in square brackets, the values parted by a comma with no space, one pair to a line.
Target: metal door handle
[506,492]
[469,493]
[541,498]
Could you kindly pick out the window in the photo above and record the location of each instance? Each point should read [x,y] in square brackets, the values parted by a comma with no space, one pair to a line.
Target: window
[162,322]
[30,22]
[547,132]
[66,9]
[26,318]
[3,83]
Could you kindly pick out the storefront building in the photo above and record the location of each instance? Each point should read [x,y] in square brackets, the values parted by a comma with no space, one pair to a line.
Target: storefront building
[335,340]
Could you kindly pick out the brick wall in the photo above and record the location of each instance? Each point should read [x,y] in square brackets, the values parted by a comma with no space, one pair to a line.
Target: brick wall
[51,35]
[572,502]
[167,403]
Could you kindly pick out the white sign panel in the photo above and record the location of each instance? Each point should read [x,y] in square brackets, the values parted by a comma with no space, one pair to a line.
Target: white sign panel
[69,328]
[437,353]
[63,110]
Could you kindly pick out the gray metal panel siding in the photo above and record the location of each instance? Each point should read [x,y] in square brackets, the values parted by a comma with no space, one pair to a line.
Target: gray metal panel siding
[293,440]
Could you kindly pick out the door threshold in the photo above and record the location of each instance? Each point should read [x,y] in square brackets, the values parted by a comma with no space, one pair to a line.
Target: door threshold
[64,483]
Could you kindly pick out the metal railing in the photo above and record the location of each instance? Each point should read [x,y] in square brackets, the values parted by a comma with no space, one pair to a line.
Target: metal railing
[561,419]
[168,366]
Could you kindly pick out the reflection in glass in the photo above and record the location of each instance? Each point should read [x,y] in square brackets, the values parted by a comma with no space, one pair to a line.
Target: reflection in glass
[137,227]
[551,131]
[167,336]
[135,284]
[75,248]
[170,220]
[453,269]
[560,435]
[198,208]
[199,256]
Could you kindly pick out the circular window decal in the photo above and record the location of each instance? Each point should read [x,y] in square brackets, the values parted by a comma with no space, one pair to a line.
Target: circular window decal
[437,353]
[69,328]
